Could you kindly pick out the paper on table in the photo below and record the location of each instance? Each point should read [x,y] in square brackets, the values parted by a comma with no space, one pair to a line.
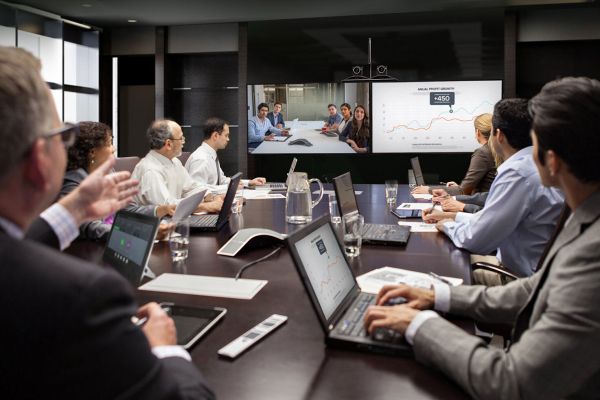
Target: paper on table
[414,206]
[244,289]
[423,196]
[328,192]
[373,281]
[422,227]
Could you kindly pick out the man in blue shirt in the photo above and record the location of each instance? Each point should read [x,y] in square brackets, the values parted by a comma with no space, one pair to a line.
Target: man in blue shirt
[275,116]
[260,128]
[334,119]
[520,214]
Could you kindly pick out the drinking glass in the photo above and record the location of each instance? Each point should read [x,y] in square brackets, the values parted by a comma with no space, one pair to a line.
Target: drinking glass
[391,192]
[334,211]
[353,228]
[238,203]
[179,240]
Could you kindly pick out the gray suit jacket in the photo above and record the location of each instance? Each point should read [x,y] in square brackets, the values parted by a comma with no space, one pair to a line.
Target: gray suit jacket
[473,202]
[556,318]
[95,229]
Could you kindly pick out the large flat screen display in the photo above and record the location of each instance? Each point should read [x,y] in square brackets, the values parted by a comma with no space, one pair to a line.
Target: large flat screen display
[430,117]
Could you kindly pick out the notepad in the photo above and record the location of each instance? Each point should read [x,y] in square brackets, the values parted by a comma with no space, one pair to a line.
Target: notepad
[373,281]
[421,227]
[414,206]
[423,196]
[199,285]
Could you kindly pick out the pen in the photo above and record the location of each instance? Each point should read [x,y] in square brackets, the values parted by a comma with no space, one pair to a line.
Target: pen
[443,183]
[139,321]
[439,278]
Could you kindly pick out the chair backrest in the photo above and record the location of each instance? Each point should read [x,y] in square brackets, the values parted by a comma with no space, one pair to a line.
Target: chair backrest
[184,156]
[126,163]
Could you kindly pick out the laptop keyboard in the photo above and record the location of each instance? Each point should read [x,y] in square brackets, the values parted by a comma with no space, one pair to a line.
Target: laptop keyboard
[275,186]
[204,220]
[380,232]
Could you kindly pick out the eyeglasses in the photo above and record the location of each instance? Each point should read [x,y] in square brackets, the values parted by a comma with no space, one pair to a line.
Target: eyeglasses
[181,138]
[68,133]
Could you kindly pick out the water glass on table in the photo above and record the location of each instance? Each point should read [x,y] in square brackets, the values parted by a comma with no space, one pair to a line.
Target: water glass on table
[238,202]
[391,192]
[353,228]
[179,239]
[334,211]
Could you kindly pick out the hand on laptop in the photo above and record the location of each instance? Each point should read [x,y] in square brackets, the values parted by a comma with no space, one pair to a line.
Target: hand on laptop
[259,181]
[100,194]
[397,317]
[421,299]
[160,328]
[165,209]
[420,190]
[213,206]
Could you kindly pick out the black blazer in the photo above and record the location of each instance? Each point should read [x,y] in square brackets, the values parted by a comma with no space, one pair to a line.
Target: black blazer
[67,334]
[40,231]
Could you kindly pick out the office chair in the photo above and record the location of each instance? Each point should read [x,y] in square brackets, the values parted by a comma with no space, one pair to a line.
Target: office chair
[126,163]
[184,157]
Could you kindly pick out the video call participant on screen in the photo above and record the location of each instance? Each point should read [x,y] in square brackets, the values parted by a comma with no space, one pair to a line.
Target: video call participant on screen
[482,168]
[260,128]
[334,118]
[70,321]
[92,147]
[163,179]
[357,132]
[554,350]
[203,164]
[276,117]
[520,213]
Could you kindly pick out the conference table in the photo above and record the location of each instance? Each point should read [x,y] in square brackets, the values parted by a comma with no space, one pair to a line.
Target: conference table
[309,130]
[293,361]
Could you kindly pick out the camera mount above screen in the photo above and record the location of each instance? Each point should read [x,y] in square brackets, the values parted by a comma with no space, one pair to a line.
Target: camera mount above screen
[430,117]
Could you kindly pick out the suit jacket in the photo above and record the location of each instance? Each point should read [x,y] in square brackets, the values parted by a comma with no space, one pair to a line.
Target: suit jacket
[555,351]
[67,333]
[40,231]
[95,229]
[274,122]
[473,202]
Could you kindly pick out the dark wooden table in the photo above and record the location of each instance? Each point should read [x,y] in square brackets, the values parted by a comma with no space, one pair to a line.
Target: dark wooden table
[293,362]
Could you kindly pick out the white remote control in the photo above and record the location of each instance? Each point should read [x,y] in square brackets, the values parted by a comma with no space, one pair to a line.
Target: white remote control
[242,343]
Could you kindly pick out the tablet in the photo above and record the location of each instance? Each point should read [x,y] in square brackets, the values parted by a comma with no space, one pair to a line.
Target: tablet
[192,322]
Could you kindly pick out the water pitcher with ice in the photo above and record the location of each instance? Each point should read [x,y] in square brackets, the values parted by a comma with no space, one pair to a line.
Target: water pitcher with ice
[298,201]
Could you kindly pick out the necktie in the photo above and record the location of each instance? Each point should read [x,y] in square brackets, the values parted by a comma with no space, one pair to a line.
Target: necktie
[218,171]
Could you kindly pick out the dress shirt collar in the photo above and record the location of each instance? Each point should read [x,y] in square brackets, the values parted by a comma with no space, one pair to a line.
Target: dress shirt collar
[518,156]
[11,228]
[209,150]
[160,158]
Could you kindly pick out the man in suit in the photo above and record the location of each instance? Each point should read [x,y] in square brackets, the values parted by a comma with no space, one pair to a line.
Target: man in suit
[555,351]
[67,324]
[275,116]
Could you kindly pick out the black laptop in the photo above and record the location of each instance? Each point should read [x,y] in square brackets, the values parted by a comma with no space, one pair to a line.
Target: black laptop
[334,293]
[214,222]
[129,245]
[417,172]
[373,233]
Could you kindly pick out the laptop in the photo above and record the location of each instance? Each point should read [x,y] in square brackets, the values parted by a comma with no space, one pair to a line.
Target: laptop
[129,245]
[418,173]
[334,293]
[373,233]
[214,222]
[187,206]
[278,185]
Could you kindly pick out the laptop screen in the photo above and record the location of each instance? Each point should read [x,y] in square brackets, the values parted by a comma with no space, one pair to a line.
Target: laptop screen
[326,268]
[416,166]
[188,205]
[129,244]
[345,194]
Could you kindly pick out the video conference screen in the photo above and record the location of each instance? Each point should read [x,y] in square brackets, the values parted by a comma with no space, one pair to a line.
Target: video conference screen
[430,117]
[292,118]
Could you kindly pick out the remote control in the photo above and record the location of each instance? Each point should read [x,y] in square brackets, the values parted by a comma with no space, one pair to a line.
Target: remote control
[242,343]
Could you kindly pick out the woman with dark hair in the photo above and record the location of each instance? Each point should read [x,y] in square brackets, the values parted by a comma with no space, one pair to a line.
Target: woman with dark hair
[357,133]
[93,146]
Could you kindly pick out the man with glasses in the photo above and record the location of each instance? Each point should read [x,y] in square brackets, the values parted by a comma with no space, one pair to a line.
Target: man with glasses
[163,179]
[68,322]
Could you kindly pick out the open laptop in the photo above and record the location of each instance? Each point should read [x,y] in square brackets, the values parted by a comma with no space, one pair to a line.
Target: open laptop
[418,173]
[187,206]
[279,185]
[334,293]
[214,222]
[129,245]
[373,233]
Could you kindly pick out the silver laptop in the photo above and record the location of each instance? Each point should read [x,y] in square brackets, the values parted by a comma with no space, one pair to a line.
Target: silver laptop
[187,206]
[373,233]
[277,185]
[334,293]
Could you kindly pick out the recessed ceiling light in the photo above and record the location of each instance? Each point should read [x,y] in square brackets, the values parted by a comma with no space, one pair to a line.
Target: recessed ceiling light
[133,21]
[86,5]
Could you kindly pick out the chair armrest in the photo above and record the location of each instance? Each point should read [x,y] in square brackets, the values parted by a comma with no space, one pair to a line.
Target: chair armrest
[494,268]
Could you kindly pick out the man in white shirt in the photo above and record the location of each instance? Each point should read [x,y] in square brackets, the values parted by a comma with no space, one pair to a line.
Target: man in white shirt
[162,177]
[203,164]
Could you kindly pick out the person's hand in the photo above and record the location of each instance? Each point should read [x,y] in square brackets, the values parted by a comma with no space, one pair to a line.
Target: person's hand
[432,216]
[270,137]
[353,144]
[164,229]
[440,224]
[259,181]
[165,209]
[213,206]
[451,183]
[419,298]
[100,194]
[160,328]
[285,133]
[450,204]
[439,193]
[420,190]
[397,318]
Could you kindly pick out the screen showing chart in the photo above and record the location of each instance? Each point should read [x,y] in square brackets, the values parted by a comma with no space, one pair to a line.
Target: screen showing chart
[430,117]
[326,267]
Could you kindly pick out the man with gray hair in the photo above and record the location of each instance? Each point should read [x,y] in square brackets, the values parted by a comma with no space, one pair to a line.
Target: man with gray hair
[163,179]
[69,321]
